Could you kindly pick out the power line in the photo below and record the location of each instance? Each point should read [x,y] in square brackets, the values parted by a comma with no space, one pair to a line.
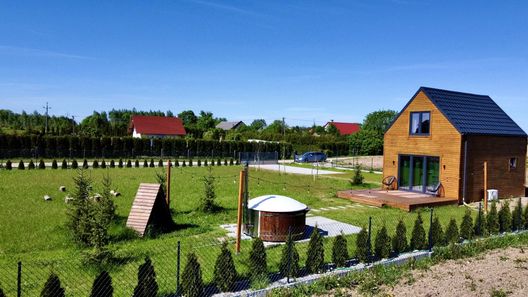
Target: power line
[47,108]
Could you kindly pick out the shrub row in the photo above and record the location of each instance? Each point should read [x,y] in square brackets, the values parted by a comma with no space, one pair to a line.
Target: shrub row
[120,164]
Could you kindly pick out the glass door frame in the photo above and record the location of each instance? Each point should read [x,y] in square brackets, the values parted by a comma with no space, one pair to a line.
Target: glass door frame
[409,187]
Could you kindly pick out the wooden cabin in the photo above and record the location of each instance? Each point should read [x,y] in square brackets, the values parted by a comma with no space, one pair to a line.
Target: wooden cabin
[440,141]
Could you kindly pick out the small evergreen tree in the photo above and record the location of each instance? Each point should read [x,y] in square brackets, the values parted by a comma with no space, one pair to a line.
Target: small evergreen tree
[190,163]
[41,165]
[399,241]
[237,162]
[54,164]
[205,163]
[258,264]
[184,164]
[129,163]
[209,196]
[52,287]
[79,211]
[493,219]
[452,235]
[289,264]
[147,285]
[136,163]
[199,163]
[145,164]
[231,162]
[225,274]
[517,216]
[315,252]
[8,165]
[112,164]
[160,163]
[219,162]
[466,227]
[120,163]
[31,165]
[21,165]
[505,217]
[225,162]
[2,293]
[74,164]
[363,248]
[437,232]
[85,164]
[525,217]
[192,283]
[340,250]
[102,286]
[95,164]
[480,224]
[64,164]
[358,176]
[103,164]
[176,163]
[418,234]
[382,244]
[151,164]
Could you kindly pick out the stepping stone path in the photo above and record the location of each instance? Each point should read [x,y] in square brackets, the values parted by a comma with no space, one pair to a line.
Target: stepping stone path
[341,207]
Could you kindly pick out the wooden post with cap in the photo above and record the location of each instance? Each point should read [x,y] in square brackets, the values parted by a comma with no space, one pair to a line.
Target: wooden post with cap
[239,215]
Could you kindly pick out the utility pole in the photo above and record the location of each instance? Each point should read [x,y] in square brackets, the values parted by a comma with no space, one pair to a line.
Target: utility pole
[47,108]
[73,119]
[283,128]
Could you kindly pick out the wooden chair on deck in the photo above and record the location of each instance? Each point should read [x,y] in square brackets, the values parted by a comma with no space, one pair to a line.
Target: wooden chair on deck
[390,183]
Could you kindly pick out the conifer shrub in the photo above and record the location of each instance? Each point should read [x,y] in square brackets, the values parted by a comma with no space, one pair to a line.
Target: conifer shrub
[120,163]
[85,164]
[207,203]
[54,164]
[382,243]
[258,264]
[225,162]
[102,286]
[145,164]
[103,164]
[231,162]
[2,293]
[74,164]
[315,252]
[466,227]
[399,241]
[505,217]
[52,287]
[358,178]
[136,163]
[190,163]
[31,165]
[184,164]
[176,163]
[517,216]
[151,164]
[95,164]
[340,254]
[112,163]
[21,165]
[129,163]
[41,164]
[363,248]
[64,164]
[437,233]
[289,263]
[225,274]
[8,165]
[418,235]
[199,163]
[492,219]
[452,235]
[147,285]
[237,162]
[205,163]
[480,225]
[192,282]
[525,217]
[160,163]
[212,162]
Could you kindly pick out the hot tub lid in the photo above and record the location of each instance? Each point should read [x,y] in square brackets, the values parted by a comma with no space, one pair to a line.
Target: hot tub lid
[276,203]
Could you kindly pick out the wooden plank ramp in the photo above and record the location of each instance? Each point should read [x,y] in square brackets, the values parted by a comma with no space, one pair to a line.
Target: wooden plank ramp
[142,207]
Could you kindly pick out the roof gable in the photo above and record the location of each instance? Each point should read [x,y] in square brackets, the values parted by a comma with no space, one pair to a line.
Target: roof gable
[225,125]
[156,125]
[346,128]
[470,114]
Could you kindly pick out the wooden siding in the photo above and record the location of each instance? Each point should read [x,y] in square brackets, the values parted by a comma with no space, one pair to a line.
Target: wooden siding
[275,226]
[497,151]
[444,141]
[142,208]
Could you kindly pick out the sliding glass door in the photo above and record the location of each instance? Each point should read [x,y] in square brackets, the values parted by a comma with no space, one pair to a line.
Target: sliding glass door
[419,173]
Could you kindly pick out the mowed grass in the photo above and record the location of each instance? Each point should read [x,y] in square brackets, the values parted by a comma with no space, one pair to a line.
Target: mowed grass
[34,231]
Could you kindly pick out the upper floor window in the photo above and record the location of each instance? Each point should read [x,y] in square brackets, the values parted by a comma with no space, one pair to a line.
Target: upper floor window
[420,123]
[513,163]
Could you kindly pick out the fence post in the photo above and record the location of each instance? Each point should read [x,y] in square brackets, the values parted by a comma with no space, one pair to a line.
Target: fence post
[431,230]
[178,258]
[289,259]
[19,279]
[369,242]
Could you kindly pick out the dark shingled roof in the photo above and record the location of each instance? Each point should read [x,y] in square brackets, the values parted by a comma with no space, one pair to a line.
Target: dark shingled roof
[472,114]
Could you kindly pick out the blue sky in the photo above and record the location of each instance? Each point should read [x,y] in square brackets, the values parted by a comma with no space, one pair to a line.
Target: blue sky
[303,60]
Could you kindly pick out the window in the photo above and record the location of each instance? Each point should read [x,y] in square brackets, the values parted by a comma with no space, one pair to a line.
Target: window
[513,163]
[420,123]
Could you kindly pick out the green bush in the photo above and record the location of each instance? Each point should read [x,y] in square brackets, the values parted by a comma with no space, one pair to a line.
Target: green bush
[95,164]
[219,162]
[31,165]
[237,162]
[231,162]
[120,163]
[129,163]
[525,217]
[480,224]
[136,163]
[505,217]
[74,164]
[41,164]
[160,163]
[8,165]
[452,235]
[85,164]
[363,248]
[399,241]
[207,203]
[145,164]
[517,216]
[147,285]
[176,163]
[340,254]
[2,293]
[64,164]
[358,178]
[192,283]
[466,227]
[225,162]
[190,163]
[112,164]
[103,164]
[52,287]
[225,274]
[205,163]
[289,264]
[102,286]
[492,217]
[151,164]
[199,163]
[418,234]
[437,233]
[258,264]
[315,252]
[382,244]
[54,164]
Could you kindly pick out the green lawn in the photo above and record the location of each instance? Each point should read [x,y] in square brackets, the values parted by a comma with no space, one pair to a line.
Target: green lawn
[33,231]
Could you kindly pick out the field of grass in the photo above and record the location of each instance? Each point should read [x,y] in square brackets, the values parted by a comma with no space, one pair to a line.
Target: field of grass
[33,231]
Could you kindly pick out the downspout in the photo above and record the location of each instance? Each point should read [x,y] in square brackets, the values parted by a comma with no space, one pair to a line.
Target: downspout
[464,180]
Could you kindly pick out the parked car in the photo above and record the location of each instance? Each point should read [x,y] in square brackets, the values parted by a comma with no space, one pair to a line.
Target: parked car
[310,157]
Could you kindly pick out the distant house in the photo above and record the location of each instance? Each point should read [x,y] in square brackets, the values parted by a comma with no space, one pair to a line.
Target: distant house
[156,127]
[230,125]
[441,140]
[344,128]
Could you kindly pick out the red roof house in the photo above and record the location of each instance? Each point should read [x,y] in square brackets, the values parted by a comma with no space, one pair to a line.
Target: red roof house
[156,126]
[345,128]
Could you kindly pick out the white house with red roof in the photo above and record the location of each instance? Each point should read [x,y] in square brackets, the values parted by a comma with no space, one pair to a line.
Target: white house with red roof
[156,127]
[344,128]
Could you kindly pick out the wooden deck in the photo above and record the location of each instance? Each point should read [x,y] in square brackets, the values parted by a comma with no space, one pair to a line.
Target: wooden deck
[398,199]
